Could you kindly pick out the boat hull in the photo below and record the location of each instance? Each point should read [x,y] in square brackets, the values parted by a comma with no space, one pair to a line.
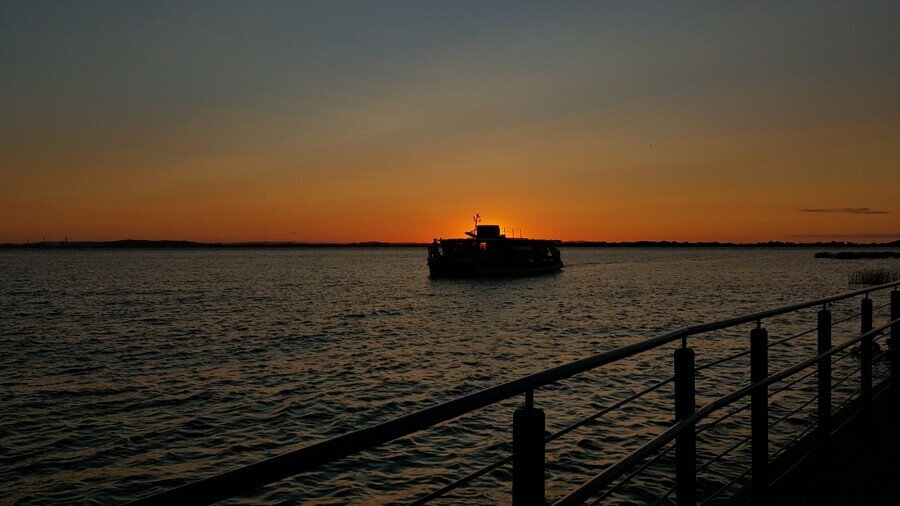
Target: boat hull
[493,257]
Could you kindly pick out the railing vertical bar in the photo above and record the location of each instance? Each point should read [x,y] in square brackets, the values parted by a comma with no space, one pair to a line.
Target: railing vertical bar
[824,379]
[686,442]
[528,454]
[865,357]
[895,343]
[759,415]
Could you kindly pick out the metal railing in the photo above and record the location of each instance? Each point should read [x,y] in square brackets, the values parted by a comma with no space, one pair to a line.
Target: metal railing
[530,439]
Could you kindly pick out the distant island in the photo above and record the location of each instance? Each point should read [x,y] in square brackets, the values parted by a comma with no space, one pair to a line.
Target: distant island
[148,244]
[856,255]
[140,243]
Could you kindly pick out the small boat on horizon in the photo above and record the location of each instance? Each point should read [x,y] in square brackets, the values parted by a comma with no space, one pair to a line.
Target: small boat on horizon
[488,253]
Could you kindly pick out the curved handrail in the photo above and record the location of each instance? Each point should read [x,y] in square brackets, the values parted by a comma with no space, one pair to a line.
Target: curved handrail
[253,476]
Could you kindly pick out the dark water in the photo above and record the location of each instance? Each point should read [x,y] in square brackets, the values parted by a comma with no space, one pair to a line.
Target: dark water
[129,372]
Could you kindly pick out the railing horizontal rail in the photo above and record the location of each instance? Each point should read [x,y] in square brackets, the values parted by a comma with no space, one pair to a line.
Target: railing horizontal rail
[253,476]
[710,425]
[631,476]
[461,481]
[726,451]
[725,487]
[608,409]
[747,352]
[793,441]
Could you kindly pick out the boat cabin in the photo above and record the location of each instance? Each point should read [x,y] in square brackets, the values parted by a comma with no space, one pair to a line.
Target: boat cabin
[486,232]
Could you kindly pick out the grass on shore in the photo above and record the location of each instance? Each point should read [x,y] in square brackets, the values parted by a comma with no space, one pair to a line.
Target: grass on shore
[874,276]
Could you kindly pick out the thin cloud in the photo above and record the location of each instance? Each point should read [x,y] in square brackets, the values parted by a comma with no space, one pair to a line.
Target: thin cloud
[846,210]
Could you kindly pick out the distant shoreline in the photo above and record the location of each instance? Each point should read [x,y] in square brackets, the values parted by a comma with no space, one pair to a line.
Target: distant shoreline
[149,244]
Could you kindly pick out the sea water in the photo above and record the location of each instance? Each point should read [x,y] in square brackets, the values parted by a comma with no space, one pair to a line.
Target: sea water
[128,372]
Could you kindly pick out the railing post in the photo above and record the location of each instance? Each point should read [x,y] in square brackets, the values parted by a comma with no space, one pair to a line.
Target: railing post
[686,442]
[824,375]
[759,415]
[865,357]
[528,454]
[895,344]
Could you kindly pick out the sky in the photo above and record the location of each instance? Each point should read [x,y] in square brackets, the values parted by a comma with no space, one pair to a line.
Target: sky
[351,121]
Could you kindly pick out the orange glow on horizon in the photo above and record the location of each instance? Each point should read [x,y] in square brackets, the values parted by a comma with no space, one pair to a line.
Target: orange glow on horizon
[677,130]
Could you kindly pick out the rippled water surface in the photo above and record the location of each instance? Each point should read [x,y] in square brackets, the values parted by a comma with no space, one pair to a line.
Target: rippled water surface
[130,372]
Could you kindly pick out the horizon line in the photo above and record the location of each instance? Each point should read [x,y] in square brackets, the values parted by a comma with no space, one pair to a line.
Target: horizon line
[375,243]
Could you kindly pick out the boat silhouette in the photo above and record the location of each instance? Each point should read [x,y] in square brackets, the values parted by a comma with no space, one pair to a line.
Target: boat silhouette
[488,253]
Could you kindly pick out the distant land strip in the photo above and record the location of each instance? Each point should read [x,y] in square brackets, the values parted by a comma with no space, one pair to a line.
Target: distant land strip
[856,255]
[139,243]
[148,244]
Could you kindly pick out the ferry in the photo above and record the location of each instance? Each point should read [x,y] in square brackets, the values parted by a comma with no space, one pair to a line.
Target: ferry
[488,253]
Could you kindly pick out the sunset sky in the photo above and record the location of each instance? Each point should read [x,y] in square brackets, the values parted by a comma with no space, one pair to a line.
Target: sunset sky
[397,121]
